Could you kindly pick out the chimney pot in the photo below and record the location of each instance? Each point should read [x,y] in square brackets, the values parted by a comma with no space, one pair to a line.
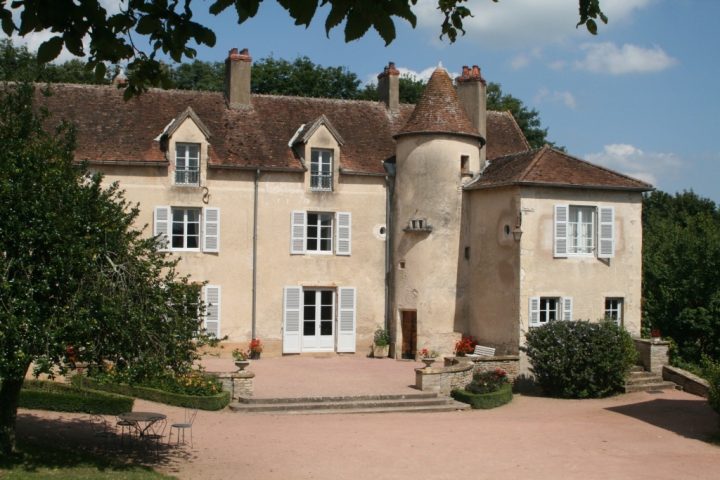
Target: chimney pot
[389,86]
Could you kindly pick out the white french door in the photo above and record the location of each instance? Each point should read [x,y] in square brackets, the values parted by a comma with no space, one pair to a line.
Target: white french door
[318,324]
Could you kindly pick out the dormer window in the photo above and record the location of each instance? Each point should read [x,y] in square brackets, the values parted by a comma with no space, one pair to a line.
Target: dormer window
[187,164]
[321,170]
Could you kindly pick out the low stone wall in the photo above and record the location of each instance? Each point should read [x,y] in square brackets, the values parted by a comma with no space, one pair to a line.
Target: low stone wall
[653,354]
[457,372]
[689,382]
[239,384]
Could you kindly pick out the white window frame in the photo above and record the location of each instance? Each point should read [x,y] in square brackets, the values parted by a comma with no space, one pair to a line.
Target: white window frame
[185,224]
[540,308]
[187,166]
[569,236]
[320,228]
[614,309]
[321,170]
[549,310]
[581,244]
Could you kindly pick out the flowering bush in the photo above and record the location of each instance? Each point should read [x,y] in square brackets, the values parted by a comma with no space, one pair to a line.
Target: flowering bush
[194,382]
[465,345]
[239,355]
[381,337]
[425,353]
[487,382]
[256,346]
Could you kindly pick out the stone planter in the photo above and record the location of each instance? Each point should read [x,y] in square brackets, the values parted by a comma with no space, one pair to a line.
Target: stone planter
[380,351]
[428,361]
[241,364]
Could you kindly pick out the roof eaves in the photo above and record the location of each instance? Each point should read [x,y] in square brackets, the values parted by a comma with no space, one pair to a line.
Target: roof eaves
[558,185]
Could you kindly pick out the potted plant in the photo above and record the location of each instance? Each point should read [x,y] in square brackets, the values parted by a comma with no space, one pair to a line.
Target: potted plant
[465,345]
[241,359]
[428,357]
[381,343]
[255,348]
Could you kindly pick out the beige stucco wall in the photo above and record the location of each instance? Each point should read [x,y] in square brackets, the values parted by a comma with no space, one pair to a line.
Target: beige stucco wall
[494,269]
[428,185]
[232,191]
[587,279]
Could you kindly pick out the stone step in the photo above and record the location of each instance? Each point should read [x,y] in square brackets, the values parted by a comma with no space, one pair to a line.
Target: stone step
[425,401]
[643,379]
[646,387]
[637,368]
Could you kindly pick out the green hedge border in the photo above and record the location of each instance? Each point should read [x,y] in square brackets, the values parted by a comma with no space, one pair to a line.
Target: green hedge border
[213,402]
[484,400]
[40,395]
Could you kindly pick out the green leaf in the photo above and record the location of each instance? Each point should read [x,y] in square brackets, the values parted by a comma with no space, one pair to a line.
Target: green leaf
[356,26]
[147,25]
[100,70]
[49,50]
[7,22]
[246,9]
[335,17]
[385,28]
[591,26]
[219,6]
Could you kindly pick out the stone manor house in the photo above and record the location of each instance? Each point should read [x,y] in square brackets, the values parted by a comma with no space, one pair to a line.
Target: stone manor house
[315,221]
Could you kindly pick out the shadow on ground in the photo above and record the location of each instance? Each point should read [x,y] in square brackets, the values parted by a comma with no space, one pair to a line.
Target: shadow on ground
[689,418]
[70,442]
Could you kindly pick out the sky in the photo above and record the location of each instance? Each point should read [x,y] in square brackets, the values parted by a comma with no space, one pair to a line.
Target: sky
[641,97]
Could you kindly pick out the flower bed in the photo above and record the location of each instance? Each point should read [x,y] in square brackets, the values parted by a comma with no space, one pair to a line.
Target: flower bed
[484,400]
[66,398]
[217,401]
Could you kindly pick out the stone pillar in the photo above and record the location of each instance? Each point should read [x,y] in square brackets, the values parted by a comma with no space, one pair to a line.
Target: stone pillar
[237,78]
[653,354]
[242,384]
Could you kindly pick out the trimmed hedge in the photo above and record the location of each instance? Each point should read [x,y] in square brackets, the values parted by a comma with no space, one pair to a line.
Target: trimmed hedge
[213,402]
[580,359]
[484,400]
[66,398]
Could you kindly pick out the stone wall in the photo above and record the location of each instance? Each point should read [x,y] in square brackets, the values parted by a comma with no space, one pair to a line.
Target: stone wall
[239,384]
[457,372]
[689,382]
[653,354]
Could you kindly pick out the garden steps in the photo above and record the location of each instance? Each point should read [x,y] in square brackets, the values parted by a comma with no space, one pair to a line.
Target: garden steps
[418,402]
[640,380]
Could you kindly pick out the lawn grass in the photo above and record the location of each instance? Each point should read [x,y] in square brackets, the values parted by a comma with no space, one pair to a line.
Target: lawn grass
[40,461]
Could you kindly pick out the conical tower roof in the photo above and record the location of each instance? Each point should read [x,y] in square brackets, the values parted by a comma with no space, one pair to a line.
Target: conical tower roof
[439,110]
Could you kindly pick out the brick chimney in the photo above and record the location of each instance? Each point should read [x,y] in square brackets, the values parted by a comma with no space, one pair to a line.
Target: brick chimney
[237,78]
[389,87]
[472,93]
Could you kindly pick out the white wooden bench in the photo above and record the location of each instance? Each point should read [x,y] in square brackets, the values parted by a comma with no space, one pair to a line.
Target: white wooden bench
[481,351]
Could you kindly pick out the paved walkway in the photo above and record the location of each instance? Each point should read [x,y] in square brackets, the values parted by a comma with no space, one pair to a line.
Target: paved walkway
[633,436]
[334,375]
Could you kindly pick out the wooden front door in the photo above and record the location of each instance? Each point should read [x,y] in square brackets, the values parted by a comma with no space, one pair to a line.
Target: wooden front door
[409,334]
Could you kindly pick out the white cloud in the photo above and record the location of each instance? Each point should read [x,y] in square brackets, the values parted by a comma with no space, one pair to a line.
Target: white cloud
[418,75]
[650,167]
[609,58]
[557,65]
[566,98]
[520,61]
[523,23]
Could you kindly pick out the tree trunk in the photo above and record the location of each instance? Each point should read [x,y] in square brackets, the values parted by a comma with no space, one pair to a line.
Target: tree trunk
[9,397]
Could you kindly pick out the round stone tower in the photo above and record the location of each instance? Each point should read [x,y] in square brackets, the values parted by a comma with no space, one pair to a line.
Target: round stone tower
[437,150]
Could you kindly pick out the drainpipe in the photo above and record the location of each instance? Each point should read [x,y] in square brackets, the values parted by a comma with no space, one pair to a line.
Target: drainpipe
[390,182]
[254,255]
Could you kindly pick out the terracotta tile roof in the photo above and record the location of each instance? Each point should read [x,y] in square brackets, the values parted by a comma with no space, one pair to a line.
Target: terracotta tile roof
[110,130]
[439,110]
[553,168]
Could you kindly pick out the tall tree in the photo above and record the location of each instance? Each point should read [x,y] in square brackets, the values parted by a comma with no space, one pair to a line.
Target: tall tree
[681,271]
[304,78]
[169,27]
[74,273]
[411,89]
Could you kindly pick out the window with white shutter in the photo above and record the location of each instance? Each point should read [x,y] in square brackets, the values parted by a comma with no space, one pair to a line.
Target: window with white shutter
[292,319]
[297,232]
[344,233]
[161,227]
[606,229]
[567,309]
[211,229]
[561,231]
[534,311]
[212,310]
[347,311]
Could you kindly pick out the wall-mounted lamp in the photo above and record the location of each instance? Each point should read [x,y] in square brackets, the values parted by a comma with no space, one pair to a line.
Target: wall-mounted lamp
[517,231]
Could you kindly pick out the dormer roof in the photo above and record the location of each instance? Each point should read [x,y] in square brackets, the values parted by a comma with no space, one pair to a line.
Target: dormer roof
[177,121]
[439,110]
[548,167]
[306,131]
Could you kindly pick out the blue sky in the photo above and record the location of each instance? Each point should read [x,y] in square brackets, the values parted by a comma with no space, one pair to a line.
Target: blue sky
[641,97]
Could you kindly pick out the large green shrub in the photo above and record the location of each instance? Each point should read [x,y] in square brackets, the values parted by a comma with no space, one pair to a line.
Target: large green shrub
[711,372]
[580,359]
[65,398]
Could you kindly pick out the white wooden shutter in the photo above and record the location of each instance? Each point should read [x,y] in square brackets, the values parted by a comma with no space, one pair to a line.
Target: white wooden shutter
[567,308]
[212,310]
[211,229]
[161,227]
[534,311]
[561,231]
[346,319]
[292,319]
[606,232]
[298,220]
[344,233]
